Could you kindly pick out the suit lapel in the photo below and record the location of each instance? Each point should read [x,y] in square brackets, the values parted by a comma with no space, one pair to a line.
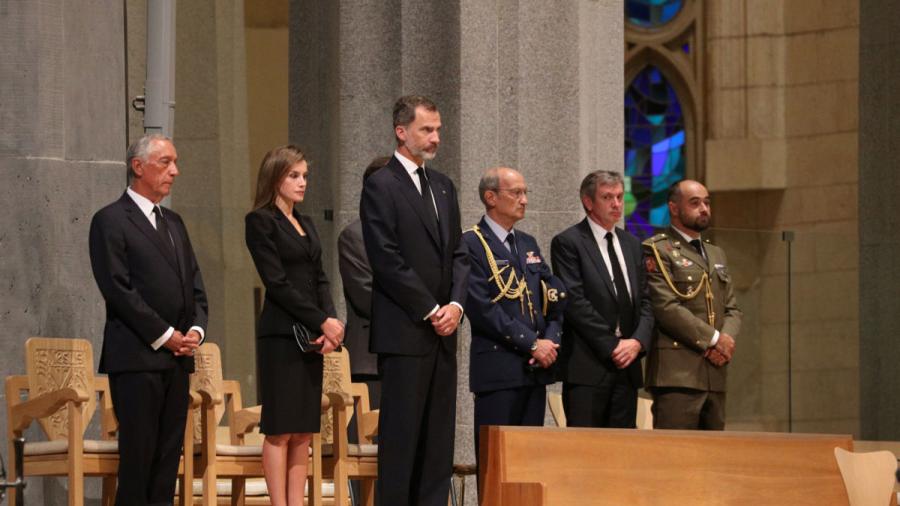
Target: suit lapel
[412,195]
[628,254]
[593,250]
[143,224]
[288,228]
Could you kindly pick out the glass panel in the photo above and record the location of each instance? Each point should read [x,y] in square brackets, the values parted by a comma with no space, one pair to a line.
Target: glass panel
[651,13]
[654,150]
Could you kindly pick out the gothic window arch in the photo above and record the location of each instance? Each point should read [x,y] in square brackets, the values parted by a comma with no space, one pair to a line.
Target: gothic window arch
[662,105]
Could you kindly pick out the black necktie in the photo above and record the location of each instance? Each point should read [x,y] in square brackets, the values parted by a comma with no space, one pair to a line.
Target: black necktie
[697,246]
[623,301]
[427,199]
[511,240]
[163,230]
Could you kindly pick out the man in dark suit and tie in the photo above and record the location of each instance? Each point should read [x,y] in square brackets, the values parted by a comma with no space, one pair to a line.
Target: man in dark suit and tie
[608,319]
[156,312]
[514,308]
[411,228]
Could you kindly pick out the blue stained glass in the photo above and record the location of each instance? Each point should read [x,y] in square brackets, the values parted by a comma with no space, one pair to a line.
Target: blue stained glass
[654,149]
[652,13]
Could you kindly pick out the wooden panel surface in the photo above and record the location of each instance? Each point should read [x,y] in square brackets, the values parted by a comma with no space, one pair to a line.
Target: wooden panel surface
[614,467]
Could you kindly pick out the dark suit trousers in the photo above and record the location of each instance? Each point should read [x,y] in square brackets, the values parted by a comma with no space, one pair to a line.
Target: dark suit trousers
[612,403]
[522,406]
[151,408]
[416,427]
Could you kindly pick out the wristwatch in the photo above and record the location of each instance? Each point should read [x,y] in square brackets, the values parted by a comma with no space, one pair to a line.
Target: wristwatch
[534,346]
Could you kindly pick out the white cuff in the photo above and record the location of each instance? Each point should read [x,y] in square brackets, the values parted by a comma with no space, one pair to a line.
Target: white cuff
[430,313]
[199,331]
[163,339]
[461,310]
[714,340]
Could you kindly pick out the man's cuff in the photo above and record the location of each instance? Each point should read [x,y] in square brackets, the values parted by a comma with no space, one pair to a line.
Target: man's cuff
[163,339]
[714,340]
[199,331]
[431,313]
[462,311]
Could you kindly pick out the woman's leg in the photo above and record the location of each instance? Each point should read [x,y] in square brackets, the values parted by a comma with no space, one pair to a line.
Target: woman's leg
[297,459]
[274,460]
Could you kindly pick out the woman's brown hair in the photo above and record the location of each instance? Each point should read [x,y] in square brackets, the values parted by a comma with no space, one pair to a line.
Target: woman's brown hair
[272,171]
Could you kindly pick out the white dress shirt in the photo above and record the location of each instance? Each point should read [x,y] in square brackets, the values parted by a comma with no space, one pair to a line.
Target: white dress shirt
[146,207]
[499,231]
[600,236]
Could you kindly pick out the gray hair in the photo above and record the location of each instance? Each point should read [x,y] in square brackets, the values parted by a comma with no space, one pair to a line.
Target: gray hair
[490,181]
[599,178]
[140,149]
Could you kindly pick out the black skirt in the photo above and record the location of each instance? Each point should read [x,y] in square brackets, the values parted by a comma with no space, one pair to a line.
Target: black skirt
[290,385]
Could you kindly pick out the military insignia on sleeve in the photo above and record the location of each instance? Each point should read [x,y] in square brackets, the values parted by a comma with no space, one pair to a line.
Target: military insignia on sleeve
[650,264]
[531,258]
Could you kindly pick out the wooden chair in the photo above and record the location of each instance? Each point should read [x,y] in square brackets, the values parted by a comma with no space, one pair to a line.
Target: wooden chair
[554,401]
[236,460]
[343,461]
[868,477]
[62,394]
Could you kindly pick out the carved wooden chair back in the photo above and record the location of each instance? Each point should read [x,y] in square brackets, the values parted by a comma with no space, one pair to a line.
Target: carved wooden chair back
[207,375]
[335,378]
[52,363]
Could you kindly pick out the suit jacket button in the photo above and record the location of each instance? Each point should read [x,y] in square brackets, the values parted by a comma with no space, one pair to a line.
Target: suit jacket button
[507,337]
[495,346]
[675,344]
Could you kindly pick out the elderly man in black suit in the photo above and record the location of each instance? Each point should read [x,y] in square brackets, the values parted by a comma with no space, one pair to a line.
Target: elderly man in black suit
[156,311]
[411,228]
[608,319]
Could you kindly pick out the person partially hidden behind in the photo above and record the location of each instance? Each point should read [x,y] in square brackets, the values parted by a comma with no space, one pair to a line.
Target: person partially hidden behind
[288,257]
[697,317]
[156,312]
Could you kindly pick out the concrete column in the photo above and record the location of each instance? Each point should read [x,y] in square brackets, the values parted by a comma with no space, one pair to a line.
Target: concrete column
[62,150]
[879,226]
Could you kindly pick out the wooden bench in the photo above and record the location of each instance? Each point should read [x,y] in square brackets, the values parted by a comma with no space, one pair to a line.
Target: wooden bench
[553,466]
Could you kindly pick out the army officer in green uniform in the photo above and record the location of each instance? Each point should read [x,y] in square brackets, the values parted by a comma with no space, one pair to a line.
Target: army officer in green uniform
[697,318]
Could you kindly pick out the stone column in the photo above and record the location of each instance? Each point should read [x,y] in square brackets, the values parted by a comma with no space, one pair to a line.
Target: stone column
[879,224]
[62,150]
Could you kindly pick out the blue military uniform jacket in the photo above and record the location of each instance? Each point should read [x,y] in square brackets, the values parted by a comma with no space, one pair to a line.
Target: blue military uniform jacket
[504,330]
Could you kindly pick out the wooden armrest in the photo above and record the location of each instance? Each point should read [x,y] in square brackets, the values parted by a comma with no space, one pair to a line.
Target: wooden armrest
[21,415]
[246,420]
[109,424]
[196,399]
[208,395]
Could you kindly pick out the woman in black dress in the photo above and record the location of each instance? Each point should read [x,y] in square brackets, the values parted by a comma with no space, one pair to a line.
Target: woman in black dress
[287,254]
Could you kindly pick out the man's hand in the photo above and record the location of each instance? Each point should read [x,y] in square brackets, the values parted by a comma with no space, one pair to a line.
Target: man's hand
[626,351]
[333,332]
[725,346]
[713,355]
[446,319]
[545,353]
[181,345]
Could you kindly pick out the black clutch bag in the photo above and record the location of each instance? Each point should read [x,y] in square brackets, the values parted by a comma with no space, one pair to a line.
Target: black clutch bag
[304,339]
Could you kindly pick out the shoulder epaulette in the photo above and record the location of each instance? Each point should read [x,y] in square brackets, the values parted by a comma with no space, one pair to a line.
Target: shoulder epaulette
[656,238]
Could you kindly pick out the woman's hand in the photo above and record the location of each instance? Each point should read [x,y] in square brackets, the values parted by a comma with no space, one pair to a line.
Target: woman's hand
[327,346]
[333,331]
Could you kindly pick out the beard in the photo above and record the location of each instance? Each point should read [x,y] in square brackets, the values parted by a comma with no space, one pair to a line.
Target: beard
[421,153]
[698,224]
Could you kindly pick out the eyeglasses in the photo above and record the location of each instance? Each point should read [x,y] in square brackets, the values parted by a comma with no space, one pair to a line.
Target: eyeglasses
[517,193]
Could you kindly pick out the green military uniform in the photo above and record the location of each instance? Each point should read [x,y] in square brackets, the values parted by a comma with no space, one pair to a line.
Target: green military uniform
[692,297]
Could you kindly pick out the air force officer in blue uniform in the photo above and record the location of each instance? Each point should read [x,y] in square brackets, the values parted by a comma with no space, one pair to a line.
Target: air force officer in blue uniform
[514,306]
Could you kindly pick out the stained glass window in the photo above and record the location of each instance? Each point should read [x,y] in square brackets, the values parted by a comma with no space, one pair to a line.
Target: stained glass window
[654,150]
[651,13]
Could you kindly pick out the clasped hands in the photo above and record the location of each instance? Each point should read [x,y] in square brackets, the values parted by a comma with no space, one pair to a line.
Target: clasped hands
[332,335]
[183,344]
[545,353]
[446,319]
[721,353]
